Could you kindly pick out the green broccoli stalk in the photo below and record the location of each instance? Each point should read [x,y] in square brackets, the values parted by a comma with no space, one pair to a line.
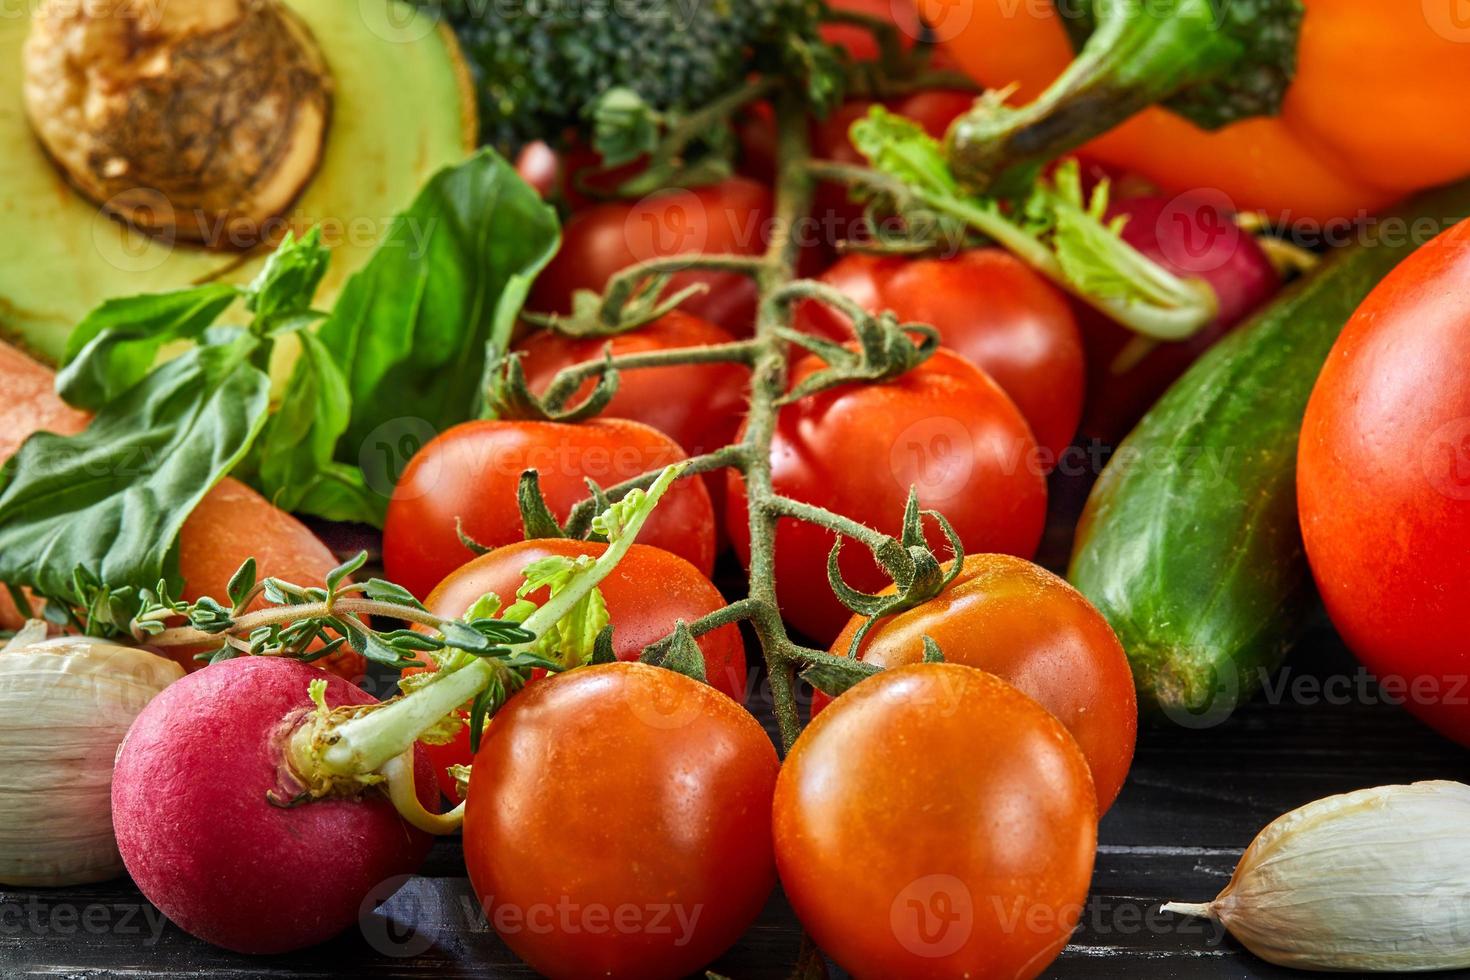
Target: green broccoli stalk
[542,67]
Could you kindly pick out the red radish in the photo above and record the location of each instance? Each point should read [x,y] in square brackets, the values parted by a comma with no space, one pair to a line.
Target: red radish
[1193,235]
[204,843]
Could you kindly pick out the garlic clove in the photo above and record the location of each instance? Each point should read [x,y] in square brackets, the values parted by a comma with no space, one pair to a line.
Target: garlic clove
[65,705]
[1370,881]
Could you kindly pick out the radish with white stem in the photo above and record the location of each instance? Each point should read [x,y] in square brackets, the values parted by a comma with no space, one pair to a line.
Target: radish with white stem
[259,803]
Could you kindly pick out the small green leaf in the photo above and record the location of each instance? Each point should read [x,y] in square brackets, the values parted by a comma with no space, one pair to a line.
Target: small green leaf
[932,653]
[462,636]
[537,520]
[836,678]
[339,574]
[683,655]
[285,286]
[115,345]
[602,647]
[241,583]
[386,591]
[485,607]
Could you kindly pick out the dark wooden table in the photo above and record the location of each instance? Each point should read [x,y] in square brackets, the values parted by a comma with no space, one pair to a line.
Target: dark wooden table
[1195,798]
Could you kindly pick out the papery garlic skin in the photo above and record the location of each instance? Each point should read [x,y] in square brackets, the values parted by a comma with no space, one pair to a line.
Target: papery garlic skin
[1371,881]
[65,705]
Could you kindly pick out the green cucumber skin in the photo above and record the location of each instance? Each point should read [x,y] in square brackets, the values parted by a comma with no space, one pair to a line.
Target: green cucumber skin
[1189,544]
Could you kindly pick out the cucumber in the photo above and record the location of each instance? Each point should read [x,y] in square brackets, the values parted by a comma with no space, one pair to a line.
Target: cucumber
[1189,543]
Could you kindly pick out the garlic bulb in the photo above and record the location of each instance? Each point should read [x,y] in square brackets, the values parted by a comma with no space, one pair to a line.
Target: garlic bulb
[65,705]
[1377,880]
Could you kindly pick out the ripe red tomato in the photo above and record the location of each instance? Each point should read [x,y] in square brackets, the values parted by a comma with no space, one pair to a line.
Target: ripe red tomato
[935,822]
[1383,482]
[731,217]
[469,474]
[944,428]
[699,405]
[619,823]
[646,595]
[989,308]
[1035,632]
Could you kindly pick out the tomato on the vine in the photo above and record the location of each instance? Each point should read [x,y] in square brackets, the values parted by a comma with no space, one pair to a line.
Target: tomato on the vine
[463,482]
[992,310]
[619,823]
[944,428]
[935,822]
[647,594]
[1031,629]
[731,217]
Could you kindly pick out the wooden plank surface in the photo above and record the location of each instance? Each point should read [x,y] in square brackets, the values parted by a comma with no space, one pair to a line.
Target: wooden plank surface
[1195,798]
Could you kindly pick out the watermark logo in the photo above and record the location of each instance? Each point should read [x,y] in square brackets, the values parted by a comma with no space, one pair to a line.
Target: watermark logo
[935,455]
[135,232]
[1195,232]
[934,916]
[386,452]
[1445,460]
[398,921]
[668,223]
[399,23]
[1450,19]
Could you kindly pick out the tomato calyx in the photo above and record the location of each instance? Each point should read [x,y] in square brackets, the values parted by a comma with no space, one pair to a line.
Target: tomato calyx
[885,350]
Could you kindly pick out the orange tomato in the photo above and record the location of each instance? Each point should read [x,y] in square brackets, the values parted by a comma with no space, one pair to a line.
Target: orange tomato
[936,822]
[1033,631]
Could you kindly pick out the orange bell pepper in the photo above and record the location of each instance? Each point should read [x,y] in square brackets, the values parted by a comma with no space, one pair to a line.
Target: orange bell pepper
[1379,106]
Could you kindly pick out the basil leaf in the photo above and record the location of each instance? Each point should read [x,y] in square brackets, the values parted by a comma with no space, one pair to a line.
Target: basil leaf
[283,289]
[293,458]
[115,345]
[411,329]
[111,499]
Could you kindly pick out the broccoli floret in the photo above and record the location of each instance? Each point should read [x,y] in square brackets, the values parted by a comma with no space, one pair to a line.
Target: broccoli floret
[539,64]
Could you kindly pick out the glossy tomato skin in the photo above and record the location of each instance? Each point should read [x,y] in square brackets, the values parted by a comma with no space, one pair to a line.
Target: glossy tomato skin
[1035,632]
[729,217]
[989,308]
[926,813]
[646,595]
[944,427]
[619,823]
[699,405]
[470,473]
[1383,483]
